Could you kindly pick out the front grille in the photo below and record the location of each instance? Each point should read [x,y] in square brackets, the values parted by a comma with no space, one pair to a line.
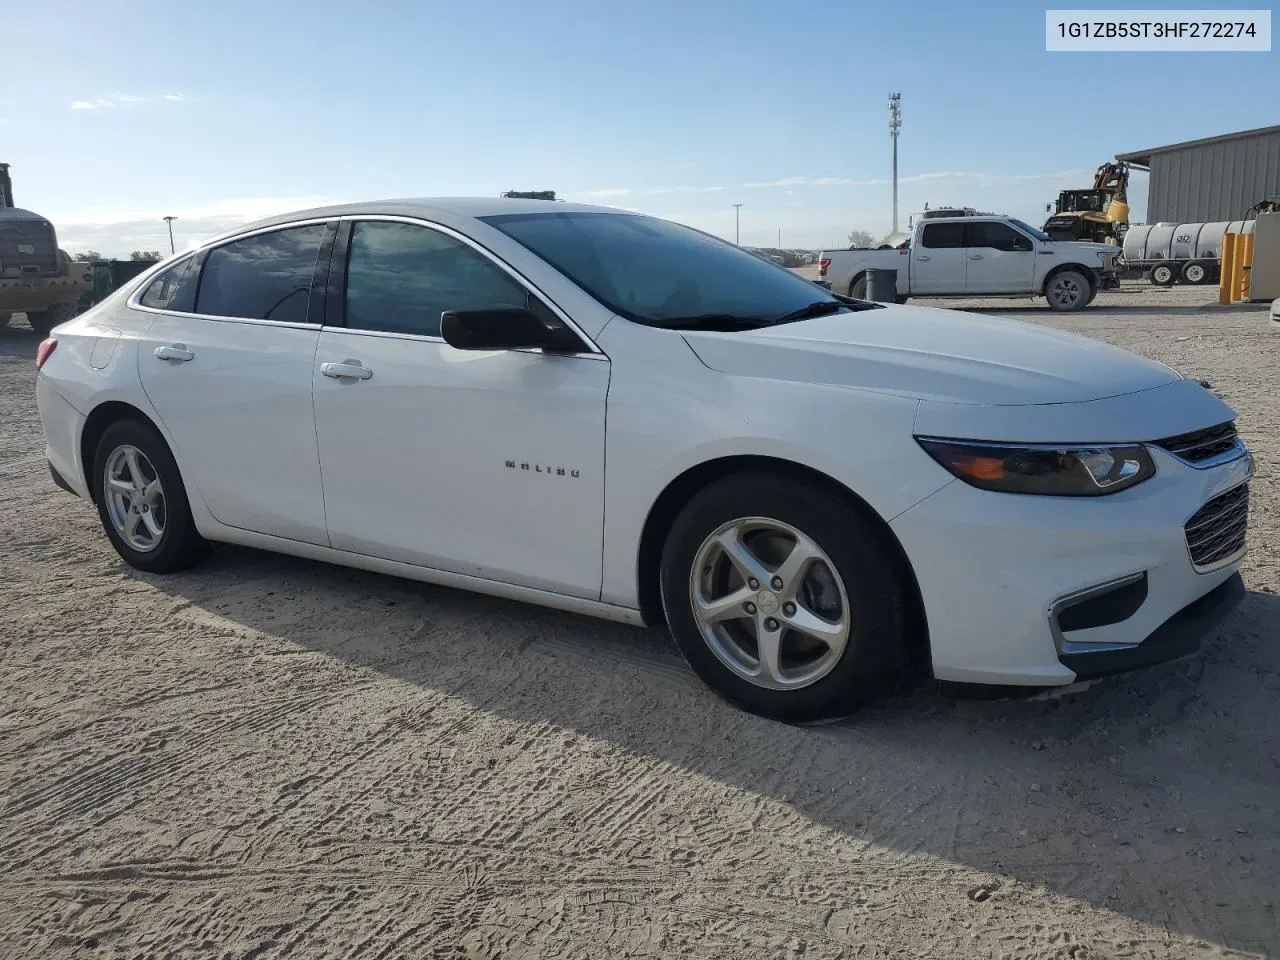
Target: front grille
[1217,530]
[1200,445]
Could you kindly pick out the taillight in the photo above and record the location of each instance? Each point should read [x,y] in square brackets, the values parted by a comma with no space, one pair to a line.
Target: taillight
[822,266]
[44,351]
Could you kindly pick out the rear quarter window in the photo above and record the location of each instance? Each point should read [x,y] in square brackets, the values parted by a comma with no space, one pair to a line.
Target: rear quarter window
[175,288]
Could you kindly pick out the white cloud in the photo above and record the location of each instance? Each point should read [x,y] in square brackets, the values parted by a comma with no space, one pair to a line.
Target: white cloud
[116,233]
[656,191]
[940,176]
[121,99]
[784,182]
[645,191]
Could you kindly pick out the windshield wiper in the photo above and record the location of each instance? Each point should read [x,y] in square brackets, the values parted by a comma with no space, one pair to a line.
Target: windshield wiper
[819,308]
[725,322]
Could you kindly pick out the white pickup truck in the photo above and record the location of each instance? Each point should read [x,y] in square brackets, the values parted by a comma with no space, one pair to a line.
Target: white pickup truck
[979,256]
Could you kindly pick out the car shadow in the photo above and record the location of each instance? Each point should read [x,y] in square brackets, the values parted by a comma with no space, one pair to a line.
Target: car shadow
[1152,795]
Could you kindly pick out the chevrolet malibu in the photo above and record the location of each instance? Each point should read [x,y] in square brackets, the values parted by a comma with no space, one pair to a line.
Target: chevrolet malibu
[620,416]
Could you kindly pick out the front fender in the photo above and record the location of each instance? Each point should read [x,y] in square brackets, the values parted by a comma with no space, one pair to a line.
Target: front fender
[668,413]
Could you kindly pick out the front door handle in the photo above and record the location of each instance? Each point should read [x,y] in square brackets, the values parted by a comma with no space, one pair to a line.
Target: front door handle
[920,256]
[346,369]
[975,256]
[174,351]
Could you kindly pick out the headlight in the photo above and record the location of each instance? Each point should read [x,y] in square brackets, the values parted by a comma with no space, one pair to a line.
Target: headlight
[1059,471]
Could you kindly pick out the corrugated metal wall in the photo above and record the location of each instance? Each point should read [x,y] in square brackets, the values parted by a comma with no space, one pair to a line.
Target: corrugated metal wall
[1215,181]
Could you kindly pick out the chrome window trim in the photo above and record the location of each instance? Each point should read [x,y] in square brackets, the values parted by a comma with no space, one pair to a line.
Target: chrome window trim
[521,279]
[425,338]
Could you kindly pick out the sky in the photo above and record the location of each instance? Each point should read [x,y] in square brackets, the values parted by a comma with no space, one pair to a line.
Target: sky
[219,113]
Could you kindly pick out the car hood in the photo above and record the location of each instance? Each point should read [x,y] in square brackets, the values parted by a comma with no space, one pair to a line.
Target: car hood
[934,354]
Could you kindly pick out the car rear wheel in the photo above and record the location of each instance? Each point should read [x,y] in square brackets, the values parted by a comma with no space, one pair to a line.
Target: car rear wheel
[142,501]
[858,289]
[1068,290]
[783,598]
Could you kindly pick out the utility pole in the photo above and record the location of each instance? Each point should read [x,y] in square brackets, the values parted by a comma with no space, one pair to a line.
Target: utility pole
[737,235]
[779,238]
[895,124]
[169,221]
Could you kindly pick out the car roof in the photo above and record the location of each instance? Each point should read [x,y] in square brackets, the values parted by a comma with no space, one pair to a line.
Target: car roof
[446,210]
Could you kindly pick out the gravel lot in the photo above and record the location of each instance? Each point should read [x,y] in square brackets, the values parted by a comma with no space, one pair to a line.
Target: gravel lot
[269,757]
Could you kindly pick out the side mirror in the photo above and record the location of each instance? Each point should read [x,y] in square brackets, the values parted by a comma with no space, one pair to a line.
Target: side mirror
[505,328]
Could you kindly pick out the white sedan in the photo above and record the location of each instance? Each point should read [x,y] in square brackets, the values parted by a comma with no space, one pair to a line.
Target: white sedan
[617,415]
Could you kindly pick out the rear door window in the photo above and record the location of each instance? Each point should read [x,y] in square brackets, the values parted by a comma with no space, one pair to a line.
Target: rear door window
[264,277]
[941,235]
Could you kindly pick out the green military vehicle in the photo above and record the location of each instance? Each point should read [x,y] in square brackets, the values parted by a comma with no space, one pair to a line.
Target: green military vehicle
[36,278]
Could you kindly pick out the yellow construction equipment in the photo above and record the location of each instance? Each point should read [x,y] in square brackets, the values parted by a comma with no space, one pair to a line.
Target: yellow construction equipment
[1099,214]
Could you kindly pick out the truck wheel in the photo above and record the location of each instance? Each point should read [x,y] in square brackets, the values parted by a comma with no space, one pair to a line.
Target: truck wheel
[45,320]
[859,289]
[1164,274]
[1067,290]
[1197,271]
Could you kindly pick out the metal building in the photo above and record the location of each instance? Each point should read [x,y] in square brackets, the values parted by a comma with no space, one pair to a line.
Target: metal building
[1217,178]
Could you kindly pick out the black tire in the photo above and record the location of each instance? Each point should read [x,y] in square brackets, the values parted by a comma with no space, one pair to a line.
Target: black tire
[1164,274]
[900,300]
[180,545]
[1068,290]
[4,320]
[858,289]
[1197,272]
[874,657]
[43,321]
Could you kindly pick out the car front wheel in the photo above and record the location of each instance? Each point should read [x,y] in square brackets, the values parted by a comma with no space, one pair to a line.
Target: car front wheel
[784,598]
[142,501]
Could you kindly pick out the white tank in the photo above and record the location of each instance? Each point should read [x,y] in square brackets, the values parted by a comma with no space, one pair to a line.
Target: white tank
[1179,241]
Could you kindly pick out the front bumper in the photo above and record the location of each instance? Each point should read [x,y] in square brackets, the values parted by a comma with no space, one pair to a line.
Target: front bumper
[1177,637]
[995,569]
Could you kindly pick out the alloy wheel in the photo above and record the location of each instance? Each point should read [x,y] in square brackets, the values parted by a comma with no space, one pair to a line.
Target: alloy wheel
[134,498]
[769,603]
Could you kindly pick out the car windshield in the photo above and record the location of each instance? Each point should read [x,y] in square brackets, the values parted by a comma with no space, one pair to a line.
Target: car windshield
[664,274]
[1038,234]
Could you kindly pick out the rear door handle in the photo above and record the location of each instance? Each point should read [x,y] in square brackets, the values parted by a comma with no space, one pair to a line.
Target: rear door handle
[174,351]
[346,369]
[921,257]
[975,256]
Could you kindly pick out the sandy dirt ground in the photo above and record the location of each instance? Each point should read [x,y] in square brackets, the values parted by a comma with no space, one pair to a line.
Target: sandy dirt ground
[268,757]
